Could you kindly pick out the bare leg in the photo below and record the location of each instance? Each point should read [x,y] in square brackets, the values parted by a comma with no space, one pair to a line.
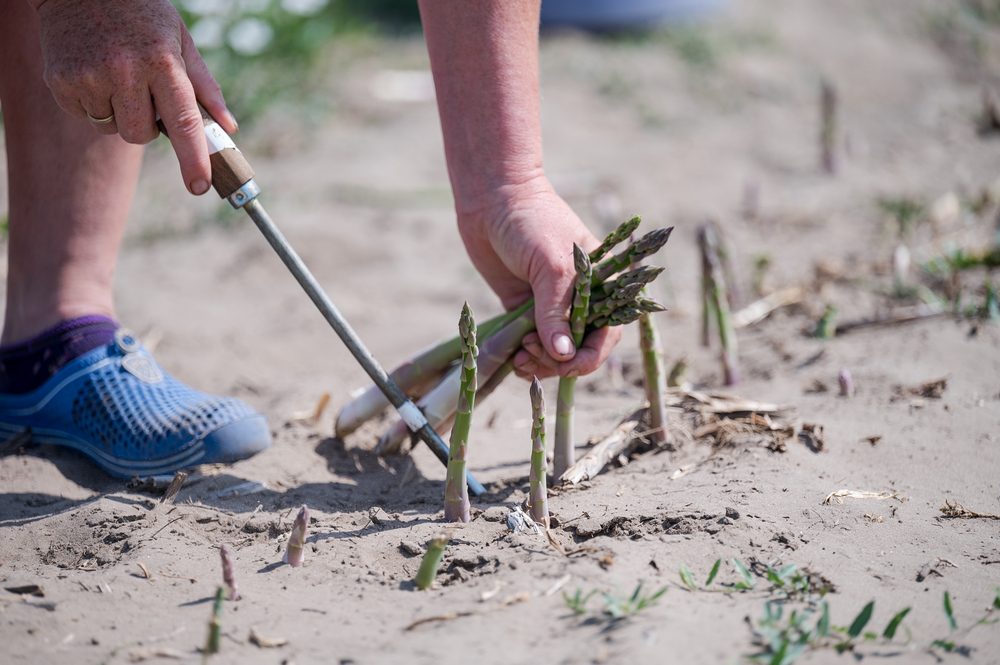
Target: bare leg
[70,191]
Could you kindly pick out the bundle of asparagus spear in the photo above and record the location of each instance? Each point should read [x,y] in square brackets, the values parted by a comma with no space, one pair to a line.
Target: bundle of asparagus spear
[609,292]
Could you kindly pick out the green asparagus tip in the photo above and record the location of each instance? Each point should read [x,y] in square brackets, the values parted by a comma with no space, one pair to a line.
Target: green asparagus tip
[466,321]
[649,305]
[619,235]
[537,397]
[581,260]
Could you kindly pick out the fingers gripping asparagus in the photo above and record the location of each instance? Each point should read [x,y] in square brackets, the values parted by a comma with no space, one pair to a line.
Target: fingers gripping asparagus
[456,492]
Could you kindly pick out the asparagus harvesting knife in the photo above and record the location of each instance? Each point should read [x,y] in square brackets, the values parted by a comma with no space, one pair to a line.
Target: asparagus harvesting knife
[232,178]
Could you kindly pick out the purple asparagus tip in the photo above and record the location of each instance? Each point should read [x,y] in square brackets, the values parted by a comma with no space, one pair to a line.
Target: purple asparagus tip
[295,554]
[846,382]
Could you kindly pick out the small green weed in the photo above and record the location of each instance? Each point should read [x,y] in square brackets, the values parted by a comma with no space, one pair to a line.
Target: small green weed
[577,602]
[622,607]
[795,584]
[746,582]
[905,211]
[616,607]
[781,643]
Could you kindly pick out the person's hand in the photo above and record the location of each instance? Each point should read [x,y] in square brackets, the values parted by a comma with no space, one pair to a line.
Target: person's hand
[524,247]
[128,59]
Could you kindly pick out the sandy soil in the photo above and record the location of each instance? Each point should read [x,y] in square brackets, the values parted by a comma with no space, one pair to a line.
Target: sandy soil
[363,194]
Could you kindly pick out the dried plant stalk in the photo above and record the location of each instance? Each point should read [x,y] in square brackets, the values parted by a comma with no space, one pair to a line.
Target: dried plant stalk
[717,303]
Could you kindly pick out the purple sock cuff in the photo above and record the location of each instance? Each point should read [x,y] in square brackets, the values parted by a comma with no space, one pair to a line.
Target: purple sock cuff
[56,331]
[27,365]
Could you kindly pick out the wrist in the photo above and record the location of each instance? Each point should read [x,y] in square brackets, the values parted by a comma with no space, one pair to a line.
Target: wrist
[488,202]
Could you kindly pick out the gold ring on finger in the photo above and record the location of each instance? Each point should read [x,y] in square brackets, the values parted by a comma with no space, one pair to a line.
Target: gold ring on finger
[101,121]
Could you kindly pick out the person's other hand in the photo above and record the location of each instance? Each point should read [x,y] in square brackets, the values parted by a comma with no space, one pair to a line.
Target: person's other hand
[130,59]
[524,247]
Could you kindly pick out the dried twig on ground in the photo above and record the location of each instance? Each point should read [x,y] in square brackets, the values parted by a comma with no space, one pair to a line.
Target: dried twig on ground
[174,488]
[759,310]
[620,441]
[507,602]
[897,316]
[839,495]
[266,642]
[955,509]
[930,389]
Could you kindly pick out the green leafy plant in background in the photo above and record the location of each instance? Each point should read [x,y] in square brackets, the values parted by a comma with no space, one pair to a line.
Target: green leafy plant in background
[782,642]
[905,211]
[262,51]
[746,582]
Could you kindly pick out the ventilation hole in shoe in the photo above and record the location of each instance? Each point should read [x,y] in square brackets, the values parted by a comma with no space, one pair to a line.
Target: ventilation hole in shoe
[134,420]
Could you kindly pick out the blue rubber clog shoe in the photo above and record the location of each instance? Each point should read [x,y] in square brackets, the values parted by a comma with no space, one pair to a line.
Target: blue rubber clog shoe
[116,406]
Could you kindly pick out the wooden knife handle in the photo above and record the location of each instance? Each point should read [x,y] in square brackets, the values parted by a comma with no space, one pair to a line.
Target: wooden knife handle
[230,169]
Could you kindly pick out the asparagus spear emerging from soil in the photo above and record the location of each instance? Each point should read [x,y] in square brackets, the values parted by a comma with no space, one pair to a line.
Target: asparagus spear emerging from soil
[537,493]
[846,382]
[655,379]
[828,127]
[716,303]
[456,492]
[228,574]
[432,559]
[563,454]
[440,403]
[215,624]
[295,554]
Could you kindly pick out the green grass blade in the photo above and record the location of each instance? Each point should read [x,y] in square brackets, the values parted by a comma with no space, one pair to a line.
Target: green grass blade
[823,625]
[948,612]
[744,573]
[793,652]
[718,562]
[688,578]
[861,620]
[890,630]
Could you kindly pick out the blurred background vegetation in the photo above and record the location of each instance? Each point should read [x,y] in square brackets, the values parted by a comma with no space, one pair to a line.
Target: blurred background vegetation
[262,50]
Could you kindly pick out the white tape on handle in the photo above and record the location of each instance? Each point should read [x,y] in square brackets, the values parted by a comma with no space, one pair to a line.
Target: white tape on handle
[218,140]
[412,416]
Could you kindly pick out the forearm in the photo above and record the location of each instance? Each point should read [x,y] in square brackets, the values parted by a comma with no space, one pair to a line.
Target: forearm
[484,56]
